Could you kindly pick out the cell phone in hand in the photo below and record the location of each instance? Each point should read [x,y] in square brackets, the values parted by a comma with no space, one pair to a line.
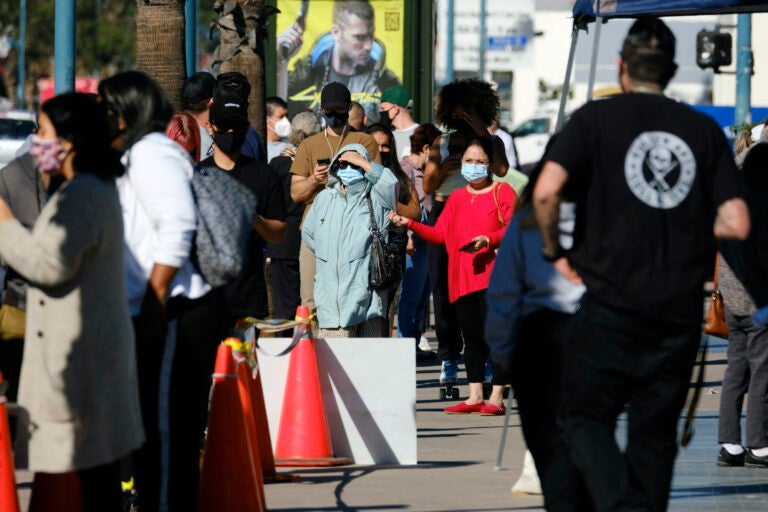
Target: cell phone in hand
[323,161]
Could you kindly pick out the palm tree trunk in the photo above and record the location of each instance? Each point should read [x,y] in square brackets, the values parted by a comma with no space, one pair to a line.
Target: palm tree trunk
[242,25]
[160,44]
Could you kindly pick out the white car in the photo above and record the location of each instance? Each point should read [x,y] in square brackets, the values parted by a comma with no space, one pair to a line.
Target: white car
[15,127]
[531,137]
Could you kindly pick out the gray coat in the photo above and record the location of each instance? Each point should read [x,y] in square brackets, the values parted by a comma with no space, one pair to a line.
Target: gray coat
[22,188]
[78,379]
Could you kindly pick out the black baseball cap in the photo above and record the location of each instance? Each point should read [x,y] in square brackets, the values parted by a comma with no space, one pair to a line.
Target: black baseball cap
[228,111]
[335,95]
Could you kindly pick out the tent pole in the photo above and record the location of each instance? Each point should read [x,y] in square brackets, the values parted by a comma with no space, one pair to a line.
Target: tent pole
[593,62]
[567,80]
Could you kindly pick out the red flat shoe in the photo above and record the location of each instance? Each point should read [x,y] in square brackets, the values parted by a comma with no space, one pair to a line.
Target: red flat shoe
[464,408]
[490,409]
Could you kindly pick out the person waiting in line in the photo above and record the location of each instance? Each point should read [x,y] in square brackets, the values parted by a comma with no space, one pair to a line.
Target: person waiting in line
[407,203]
[78,385]
[284,256]
[309,171]
[529,308]
[414,289]
[471,228]
[743,282]
[171,304]
[466,107]
[182,128]
[246,295]
[25,187]
[278,126]
[337,230]
[196,97]
[357,118]
[238,83]
[395,114]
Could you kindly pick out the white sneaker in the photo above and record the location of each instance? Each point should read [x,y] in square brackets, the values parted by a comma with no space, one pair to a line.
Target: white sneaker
[528,483]
[424,344]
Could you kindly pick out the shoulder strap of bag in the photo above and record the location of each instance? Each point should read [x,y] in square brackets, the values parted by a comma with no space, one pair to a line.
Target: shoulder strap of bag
[715,285]
[496,200]
[374,226]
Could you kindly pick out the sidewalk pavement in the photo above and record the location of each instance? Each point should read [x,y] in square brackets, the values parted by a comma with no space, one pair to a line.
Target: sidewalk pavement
[457,459]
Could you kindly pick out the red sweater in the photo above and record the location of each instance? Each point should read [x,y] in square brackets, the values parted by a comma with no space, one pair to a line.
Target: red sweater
[461,221]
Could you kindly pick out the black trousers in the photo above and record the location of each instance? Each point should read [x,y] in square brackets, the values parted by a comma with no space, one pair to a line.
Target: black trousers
[470,311]
[200,327]
[286,285]
[537,368]
[100,487]
[612,358]
[449,341]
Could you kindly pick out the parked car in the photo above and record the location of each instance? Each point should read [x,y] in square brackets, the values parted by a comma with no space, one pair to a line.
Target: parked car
[15,127]
[531,137]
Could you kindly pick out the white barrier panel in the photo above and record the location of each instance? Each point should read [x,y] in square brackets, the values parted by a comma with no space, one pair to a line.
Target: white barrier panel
[369,394]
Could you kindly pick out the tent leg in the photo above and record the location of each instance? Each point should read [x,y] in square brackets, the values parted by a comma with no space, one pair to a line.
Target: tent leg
[593,62]
[567,80]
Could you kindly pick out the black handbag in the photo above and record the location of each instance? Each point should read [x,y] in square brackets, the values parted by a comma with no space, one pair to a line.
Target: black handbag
[384,268]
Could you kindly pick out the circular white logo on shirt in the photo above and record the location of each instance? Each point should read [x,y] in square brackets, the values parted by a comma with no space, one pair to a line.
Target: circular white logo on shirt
[660,169]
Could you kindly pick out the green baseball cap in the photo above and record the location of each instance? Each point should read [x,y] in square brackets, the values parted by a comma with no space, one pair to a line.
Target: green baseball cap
[397,94]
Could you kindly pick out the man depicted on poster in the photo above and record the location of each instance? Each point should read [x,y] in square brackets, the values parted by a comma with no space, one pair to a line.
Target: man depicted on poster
[348,53]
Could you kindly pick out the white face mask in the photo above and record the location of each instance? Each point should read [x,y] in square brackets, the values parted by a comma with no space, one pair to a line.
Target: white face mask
[283,127]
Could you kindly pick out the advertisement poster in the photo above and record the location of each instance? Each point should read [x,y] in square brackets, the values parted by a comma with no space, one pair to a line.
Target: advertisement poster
[358,43]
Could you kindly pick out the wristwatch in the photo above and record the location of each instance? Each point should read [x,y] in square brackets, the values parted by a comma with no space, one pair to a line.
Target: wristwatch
[552,256]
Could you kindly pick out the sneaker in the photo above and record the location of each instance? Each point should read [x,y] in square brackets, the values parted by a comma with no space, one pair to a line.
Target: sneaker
[488,372]
[424,355]
[424,344]
[449,374]
[726,460]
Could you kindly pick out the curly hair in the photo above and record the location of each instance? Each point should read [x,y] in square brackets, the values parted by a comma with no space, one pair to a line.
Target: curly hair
[469,93]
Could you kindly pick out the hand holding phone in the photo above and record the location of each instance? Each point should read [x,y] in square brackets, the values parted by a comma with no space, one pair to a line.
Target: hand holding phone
[320,173]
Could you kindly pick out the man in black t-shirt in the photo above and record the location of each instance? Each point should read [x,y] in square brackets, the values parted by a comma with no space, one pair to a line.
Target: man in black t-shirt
[655,185]
[247,294]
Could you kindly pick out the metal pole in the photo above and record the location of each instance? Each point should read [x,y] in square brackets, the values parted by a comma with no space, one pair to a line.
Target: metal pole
[190,18]
[64,46]
[481,67]
[22,63]
[567,80]
[449,43]
[593,63]
[743,113]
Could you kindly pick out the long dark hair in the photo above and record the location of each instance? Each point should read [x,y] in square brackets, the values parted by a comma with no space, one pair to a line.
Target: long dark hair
[394,163]
[78,118]
[135,97]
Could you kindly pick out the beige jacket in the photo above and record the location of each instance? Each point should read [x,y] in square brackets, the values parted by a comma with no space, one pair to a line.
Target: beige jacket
[78,379]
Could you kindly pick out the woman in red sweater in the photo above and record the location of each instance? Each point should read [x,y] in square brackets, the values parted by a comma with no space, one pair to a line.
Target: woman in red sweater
[471,227]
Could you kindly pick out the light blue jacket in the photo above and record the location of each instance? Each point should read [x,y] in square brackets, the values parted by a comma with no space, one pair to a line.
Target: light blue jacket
[337,231]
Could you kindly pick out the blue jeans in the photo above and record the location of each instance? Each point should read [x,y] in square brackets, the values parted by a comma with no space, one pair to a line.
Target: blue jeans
[414,292]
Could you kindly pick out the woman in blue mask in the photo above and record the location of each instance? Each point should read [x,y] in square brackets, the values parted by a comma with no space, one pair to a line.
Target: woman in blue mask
[471,226]
[337,230]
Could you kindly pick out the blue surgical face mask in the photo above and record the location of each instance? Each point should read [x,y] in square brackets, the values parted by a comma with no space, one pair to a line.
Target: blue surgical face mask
[474,172]
[350,175]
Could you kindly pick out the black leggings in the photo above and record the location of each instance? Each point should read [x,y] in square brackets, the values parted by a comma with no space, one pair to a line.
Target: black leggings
[470,310]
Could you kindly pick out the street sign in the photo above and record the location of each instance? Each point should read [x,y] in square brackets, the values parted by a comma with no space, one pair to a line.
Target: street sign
[502,43]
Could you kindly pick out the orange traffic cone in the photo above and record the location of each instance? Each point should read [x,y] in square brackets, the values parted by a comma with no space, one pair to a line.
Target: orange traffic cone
[56,491]
[230,478]
[9,500]
[302,437]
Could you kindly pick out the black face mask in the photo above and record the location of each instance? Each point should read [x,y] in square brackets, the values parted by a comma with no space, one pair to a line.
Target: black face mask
[386,158]
[336,120]
[229,142]
[384,119]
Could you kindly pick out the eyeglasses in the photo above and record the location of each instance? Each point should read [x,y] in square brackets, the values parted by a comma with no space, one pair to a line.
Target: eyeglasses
[470,161]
